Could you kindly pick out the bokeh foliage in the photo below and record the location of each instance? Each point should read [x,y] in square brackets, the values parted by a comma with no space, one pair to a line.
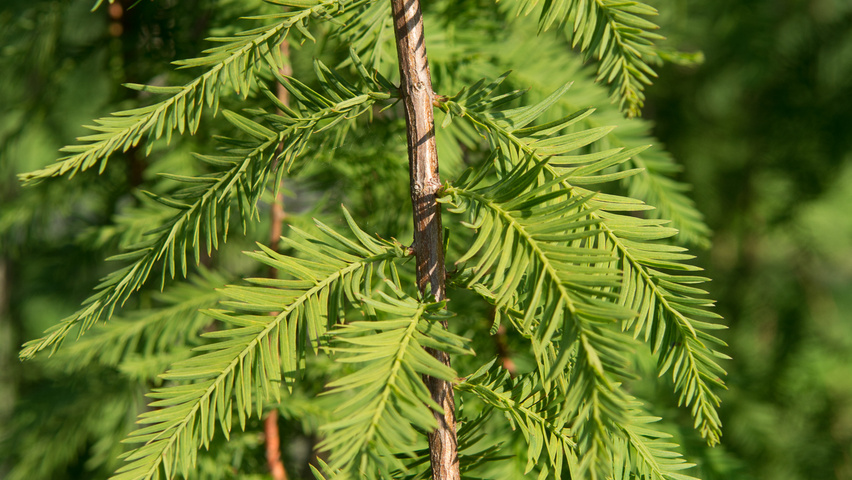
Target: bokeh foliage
[763,128]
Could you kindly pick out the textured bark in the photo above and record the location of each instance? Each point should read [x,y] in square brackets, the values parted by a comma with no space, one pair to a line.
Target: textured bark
[417,96]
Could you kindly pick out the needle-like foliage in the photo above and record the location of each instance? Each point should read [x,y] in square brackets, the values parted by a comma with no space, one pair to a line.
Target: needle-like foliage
[668,306]
[638,450]
[256,353]
[203,207]
[149,333]
[234,65]
[541,74]
[384,401]
[617,34]
[552,241]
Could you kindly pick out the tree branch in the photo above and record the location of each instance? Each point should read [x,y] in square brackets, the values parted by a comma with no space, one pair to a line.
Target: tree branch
[277,216]
[273,446]
[417,96]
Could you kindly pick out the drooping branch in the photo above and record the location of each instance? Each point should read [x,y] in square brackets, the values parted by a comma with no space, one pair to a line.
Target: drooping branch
[417,96]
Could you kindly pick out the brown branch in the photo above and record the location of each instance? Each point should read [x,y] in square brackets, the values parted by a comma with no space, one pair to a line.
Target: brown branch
[273,446]
[417,97]
[277,216]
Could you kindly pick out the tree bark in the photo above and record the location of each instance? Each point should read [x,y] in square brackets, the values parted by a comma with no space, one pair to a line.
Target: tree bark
[417,97]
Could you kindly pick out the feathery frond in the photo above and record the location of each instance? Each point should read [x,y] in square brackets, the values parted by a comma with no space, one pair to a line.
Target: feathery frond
[541,254]
[533,412]
[537,414]
[384,400]
[548,70]
[674,319]
[249,361]
[369,30]
[613,32]
[472,434]
[656,187]
[646,452]
[203,207]
[150,332]
[666,303]
[233,64]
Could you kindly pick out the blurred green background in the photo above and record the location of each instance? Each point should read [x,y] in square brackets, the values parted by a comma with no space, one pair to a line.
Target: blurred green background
[763,128]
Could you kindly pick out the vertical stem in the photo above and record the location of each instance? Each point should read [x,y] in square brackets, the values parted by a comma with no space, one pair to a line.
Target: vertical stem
[417,96]
[277,216]
[273,446]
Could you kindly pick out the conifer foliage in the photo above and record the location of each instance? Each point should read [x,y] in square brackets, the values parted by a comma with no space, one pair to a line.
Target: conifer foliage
[548,241]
